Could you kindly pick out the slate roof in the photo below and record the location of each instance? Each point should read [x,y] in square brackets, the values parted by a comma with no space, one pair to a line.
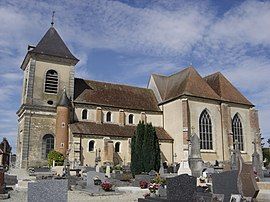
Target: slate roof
[112,130]
[185,82]
[225,89]
[114,95]
[53,45]
[64,101]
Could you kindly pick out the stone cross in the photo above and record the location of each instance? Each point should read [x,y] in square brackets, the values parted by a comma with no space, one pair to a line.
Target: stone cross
[256,163]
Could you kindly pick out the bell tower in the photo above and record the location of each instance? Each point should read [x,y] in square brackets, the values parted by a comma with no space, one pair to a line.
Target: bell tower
[48,68]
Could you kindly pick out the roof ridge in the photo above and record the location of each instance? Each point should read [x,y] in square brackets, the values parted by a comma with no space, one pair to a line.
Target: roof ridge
[117,84]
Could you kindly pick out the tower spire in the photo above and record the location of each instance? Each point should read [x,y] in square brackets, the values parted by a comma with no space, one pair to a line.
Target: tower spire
[52,23]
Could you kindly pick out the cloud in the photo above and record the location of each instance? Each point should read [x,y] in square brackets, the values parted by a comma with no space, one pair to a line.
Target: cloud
[155,37]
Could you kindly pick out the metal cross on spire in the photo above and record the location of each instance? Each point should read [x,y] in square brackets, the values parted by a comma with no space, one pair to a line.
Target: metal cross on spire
[52,23]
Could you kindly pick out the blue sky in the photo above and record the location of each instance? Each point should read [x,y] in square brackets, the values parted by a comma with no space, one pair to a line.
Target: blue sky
[125,41]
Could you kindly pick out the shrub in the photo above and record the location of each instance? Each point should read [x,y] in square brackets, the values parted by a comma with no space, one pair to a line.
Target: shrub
[57,157]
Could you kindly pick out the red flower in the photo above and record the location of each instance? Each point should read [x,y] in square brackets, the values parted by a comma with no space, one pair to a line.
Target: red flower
[106,186]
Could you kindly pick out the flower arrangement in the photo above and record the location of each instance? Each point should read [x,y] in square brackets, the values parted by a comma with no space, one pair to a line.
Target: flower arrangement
[143,184]
[159,180]
[153,187]
[106,186]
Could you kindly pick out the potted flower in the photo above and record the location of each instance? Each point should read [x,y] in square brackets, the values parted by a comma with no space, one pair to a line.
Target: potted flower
[97,181]
[106,186]
[153,188]
[143,184]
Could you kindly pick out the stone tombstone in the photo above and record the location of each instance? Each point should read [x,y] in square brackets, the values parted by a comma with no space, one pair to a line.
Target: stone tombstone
[184,168]
[97,168]
[194,158]
[225,183]
[181,188]
[247,185]
[91,175]
[108,171]
[235,198]
[152,173]
[217,198]
[256,161]
[161,169]
[48,190]
[2,183]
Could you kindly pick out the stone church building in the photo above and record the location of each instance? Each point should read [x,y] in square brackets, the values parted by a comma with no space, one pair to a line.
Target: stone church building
[87,118]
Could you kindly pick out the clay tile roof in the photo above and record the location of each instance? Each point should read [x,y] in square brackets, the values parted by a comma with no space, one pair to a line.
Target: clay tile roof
[112,130]
[115,95]
[225,89]
[52,44]
[186,82]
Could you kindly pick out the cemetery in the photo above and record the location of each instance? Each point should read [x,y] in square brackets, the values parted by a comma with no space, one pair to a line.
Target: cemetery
[190,180]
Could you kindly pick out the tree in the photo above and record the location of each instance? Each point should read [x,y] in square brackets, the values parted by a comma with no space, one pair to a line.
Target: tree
[136,149]
[268,141]
[57,157]
[145,151]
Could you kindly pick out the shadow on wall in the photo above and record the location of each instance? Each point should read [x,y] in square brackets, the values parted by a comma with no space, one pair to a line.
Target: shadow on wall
[117,160]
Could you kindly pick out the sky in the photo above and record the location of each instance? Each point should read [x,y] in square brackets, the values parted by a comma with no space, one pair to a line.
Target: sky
[126,41]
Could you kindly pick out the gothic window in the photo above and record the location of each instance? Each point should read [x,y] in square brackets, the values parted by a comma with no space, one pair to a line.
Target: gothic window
[130,119]
[91,145]
[51,82]
[47,145]
[205,126]
[84,114]
[117,147]
[109,117]
[238,131]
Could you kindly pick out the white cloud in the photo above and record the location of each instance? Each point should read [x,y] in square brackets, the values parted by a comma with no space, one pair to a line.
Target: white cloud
[167,35]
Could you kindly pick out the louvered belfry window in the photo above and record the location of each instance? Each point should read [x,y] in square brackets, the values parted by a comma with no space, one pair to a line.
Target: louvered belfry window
[237,132]
[51,82]
[205,125]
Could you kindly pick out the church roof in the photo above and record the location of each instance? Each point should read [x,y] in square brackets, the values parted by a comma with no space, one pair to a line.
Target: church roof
[115,95]
[53,45]
[225,89]
[64,101]
[186,82]
[112,130]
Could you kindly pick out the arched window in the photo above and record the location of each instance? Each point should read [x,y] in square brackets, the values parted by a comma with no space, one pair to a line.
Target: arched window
[117,147]
[91,145]
[47,145]
[51,82]
[130,119]
[237,131]
[205,126]
[84,114]
[109,117]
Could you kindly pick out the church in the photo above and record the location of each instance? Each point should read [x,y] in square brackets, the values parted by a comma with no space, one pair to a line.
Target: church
[86,119]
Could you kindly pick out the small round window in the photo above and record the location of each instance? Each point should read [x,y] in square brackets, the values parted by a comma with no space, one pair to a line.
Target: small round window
[50,102]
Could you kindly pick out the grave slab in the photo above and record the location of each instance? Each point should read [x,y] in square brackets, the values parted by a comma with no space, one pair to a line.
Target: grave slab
[48,190]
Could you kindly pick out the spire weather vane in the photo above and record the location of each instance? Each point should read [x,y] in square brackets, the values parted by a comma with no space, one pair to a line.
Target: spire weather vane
[52,23]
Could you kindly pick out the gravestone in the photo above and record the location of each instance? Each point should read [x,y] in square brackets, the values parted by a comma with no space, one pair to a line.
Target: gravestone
[184,168]
[225,183]
[256,161]
[181,188]
[247,186]
[91,175]
[108,171]
[194,158]
[152,173]
[48,190]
